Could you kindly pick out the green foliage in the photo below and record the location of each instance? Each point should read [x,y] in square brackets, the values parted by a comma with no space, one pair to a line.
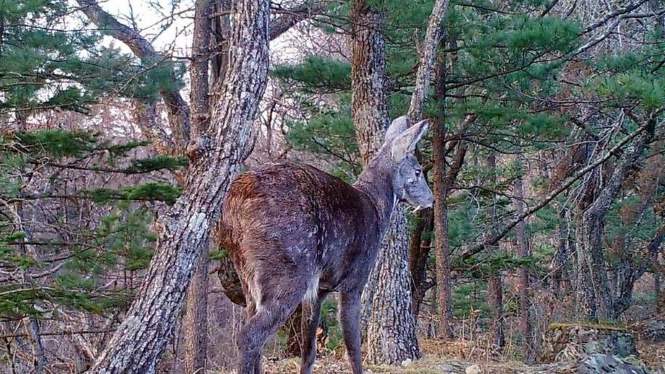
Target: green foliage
[120,241]
[469,299]
[317,73]
[329,319]
[151,191]
[218,254]
[330,134]
[45,67]
[56,143]
[160,162]
[125,233]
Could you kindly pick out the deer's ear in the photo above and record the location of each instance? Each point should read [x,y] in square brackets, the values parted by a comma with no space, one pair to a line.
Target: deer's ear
[405,143]
[397,126]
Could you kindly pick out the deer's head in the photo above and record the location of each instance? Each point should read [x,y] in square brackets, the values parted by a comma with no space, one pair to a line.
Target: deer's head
[408,178]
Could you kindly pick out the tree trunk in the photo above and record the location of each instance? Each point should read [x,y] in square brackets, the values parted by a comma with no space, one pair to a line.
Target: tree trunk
[560,275]
[593,220]
[584,293]
[441,244]
[195,321]
[495,283]
[368,101]
[391,330]
[660,301]
[419,249]
[185,230]
[368,63]
[523,251]
[194,330]
[391,327]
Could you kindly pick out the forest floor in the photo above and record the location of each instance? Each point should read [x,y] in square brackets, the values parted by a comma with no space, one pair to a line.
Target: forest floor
[448,361]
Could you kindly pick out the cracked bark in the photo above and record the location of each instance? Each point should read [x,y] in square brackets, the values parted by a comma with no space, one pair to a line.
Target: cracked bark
[387,312]
[368,101]
[185,229]
[391,325]
[419,250]
[441,244]
[194,325]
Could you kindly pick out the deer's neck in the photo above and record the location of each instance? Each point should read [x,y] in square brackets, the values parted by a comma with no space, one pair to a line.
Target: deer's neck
[376,181]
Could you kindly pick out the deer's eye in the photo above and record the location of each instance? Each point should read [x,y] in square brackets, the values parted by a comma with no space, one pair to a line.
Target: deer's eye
[418,171]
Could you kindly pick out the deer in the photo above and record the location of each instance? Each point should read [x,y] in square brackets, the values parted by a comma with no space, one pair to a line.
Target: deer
[296,234]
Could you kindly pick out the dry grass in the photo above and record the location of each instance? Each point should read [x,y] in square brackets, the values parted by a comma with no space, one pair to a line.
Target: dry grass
[455,357]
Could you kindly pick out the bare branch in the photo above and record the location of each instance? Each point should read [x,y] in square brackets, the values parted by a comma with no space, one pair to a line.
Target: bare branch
[423,76]
[293,16]
[177,109]
[564,186]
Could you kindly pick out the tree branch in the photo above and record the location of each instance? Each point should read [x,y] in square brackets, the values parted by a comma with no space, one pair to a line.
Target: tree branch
[177,109]
[292,17]
[567,184]
[428,55]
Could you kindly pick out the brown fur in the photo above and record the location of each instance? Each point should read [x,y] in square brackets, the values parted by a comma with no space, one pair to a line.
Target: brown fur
[295,233]
[271,215]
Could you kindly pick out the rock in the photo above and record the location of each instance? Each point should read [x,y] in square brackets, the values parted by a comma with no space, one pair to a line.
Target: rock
[572,342]
[604,363]
[406,362]
[447,369]
[452,367]
[473,369]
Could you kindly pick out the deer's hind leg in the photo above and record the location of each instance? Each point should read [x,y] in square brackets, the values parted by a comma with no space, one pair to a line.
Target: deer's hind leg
[275,298]
[311,314]
[349,316]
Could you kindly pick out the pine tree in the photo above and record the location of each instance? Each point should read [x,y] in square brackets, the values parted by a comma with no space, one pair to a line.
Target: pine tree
[56,263]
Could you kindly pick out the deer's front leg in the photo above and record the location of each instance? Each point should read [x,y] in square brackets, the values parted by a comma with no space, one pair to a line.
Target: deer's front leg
[311,314]
[350,318]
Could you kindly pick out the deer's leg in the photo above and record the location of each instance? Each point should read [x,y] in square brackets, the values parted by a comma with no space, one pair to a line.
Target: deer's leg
[250,311]
[310,323]
[350,318]
[280,298]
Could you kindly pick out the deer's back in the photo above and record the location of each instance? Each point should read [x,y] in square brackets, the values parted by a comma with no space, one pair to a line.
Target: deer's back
[299,218]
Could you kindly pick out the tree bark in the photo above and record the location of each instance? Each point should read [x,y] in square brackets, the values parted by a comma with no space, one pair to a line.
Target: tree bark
[391,328]
[660,301]
[495,281]
[368,101]
[185,229]
[419,250]
[194,326]
[560,274]
[427,58]
[194,330]
[593,224]
[441,244]
[523,251]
